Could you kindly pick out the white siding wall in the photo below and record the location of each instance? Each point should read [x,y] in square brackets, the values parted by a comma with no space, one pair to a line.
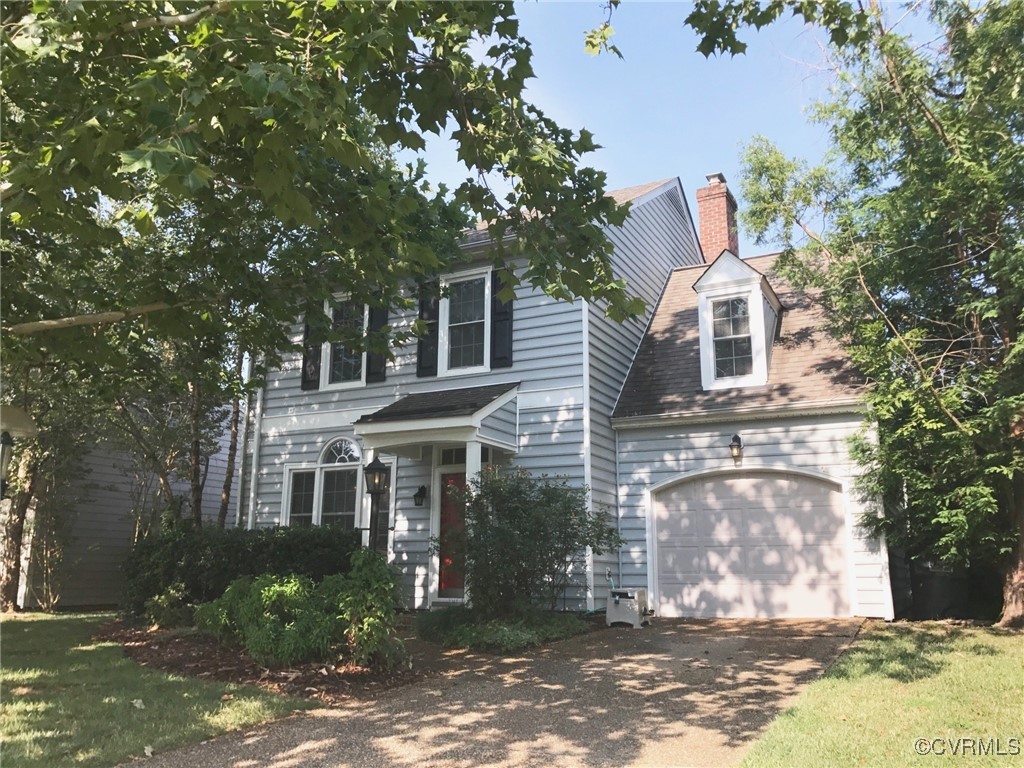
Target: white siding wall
[653,455]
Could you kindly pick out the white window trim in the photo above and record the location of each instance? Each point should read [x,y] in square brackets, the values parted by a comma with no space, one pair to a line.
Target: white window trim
[442,323]
[320,468]
[325,353]
[755,307]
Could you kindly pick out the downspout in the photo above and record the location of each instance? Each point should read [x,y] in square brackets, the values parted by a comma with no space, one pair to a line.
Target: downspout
[246,376]
[618,506]
[587,465]
[254,473]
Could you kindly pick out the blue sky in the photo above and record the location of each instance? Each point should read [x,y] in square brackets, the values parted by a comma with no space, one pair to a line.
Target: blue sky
[664,110]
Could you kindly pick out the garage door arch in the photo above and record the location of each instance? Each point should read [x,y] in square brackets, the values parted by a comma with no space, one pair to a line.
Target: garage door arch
[750,541]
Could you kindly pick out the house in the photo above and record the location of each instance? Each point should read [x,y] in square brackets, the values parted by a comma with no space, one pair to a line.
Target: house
[643,413]
[96,532]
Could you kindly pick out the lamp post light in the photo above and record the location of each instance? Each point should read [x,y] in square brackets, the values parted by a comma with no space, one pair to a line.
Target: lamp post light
[376,475]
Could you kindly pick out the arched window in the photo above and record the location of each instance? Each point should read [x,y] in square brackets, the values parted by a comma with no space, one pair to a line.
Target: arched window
[329,493]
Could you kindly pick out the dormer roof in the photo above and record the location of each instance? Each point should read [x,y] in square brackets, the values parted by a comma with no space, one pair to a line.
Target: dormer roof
[807,368]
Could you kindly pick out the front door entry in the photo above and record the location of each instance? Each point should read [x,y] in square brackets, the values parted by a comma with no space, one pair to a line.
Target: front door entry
[451,582]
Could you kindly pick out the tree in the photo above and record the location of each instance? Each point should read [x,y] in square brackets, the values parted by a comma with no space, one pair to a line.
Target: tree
[522,539]
[133,113]
[921,264]
[181,174]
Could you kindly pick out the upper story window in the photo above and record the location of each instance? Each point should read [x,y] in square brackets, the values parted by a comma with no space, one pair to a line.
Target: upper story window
[467,316]
[341,364]
[469,328]
[737,314]
[734,354]
[335,365]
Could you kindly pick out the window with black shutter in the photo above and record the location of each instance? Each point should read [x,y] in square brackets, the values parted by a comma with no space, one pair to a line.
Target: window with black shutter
[427,345]
[501,326]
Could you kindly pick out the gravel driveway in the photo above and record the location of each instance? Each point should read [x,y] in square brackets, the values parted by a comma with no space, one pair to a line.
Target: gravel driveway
[677,693]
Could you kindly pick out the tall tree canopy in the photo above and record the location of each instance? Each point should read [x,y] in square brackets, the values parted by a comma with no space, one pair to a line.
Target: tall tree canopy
[921,262]
[276,123]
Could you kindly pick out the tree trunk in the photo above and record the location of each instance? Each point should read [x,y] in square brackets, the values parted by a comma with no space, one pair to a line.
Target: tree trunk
[1013,583]
[14,532]
[195,454]
[229,470]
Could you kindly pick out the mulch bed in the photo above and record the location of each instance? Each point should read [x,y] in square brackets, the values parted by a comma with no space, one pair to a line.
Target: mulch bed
[191,654]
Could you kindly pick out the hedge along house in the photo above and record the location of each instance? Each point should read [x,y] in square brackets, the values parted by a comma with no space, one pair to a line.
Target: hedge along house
[533,383]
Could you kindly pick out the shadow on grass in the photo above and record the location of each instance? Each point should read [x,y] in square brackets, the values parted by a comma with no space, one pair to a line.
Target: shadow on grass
[70,700]
[907,652]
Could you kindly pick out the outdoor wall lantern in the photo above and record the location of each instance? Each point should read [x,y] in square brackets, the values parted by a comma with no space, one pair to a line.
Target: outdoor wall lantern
[376,474]
[736,447]
[420,496]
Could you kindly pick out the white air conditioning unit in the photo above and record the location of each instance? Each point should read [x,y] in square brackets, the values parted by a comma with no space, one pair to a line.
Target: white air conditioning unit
[628,606]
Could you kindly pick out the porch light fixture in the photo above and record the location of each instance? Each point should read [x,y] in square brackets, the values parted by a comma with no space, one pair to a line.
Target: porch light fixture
[376,475]
[736,447]
[420,496]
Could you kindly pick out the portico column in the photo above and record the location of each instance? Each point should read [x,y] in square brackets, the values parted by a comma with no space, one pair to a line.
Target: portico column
[472,459]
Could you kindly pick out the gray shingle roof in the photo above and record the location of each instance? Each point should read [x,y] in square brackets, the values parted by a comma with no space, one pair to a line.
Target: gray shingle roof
[807,366]
[439,404]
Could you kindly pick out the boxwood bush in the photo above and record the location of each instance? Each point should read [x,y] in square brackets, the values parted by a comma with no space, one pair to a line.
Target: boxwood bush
[196,565]
[283,620]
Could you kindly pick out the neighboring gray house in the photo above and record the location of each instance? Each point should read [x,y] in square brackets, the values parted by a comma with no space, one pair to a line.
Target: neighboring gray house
[101,531]
[548,386]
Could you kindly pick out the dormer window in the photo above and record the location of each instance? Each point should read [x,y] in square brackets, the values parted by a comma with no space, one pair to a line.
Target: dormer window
[733,352]
[738,314]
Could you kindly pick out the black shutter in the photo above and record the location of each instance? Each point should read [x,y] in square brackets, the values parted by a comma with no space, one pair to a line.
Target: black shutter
[426,347]
[501,326]
[376,363]
[310,361]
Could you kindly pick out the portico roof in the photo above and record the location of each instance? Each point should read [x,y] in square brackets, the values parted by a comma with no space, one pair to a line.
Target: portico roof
[440,416]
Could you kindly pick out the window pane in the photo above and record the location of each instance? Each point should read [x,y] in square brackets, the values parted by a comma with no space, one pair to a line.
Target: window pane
[733,357]
[466,301]
[466,345]
[346,365]
[300,509]
[731,318]
[338,507]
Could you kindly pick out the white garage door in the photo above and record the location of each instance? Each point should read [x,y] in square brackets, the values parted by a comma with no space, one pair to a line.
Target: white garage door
[750,545]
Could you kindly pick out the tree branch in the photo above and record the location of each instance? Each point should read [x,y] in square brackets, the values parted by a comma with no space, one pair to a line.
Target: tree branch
[95,318]
[174,20]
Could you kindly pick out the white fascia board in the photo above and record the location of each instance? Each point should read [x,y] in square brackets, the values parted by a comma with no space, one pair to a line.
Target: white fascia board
[745,413]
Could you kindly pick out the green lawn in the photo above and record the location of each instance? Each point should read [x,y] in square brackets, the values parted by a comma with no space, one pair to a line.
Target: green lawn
[70,701]
[900,683]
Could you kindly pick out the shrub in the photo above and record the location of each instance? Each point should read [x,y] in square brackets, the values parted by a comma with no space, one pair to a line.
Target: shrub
[464,628]
[289,619]
[520,538]
[170,608]
[202,562]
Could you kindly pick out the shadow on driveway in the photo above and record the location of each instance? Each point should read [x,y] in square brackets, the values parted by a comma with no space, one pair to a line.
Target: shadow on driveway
[678,693]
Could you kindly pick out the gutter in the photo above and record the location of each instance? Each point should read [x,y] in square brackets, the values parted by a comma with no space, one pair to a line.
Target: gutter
[742,413]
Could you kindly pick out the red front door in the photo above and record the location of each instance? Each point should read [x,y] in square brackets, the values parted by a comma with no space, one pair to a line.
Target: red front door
[451,580]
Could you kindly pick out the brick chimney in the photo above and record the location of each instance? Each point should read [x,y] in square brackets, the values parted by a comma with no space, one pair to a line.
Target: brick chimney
[716,210]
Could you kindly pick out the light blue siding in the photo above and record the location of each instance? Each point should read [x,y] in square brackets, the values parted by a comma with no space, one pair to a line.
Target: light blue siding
[653,455]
